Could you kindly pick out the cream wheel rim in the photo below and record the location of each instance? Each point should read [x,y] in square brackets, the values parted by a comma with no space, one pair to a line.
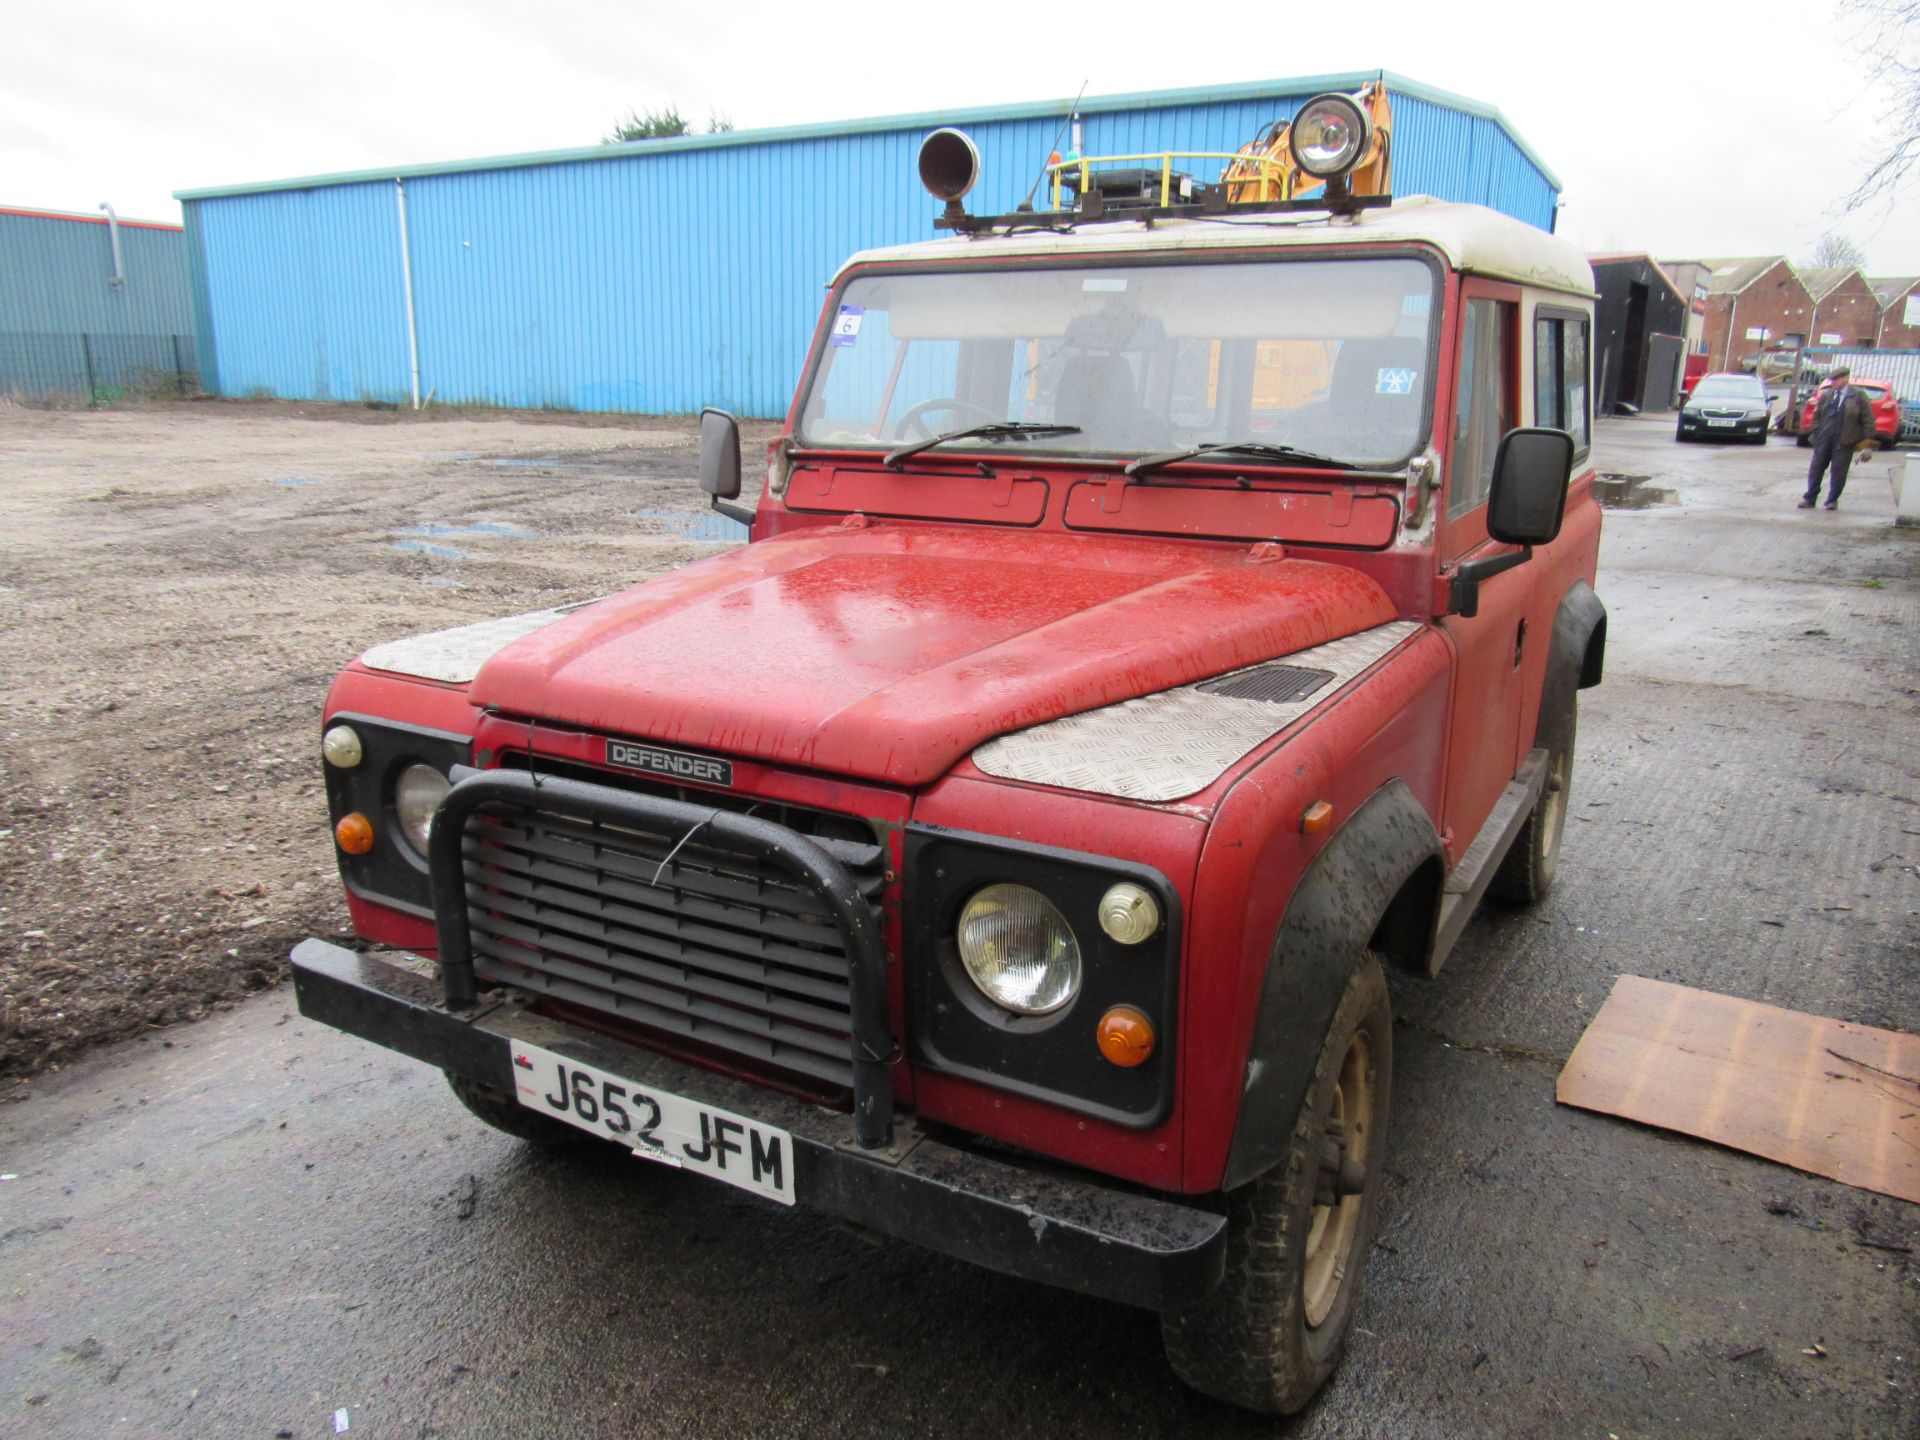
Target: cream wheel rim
[1333,1229]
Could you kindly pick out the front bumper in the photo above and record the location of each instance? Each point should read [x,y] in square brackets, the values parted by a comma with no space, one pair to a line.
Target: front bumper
[1068,1230]
[1739,429]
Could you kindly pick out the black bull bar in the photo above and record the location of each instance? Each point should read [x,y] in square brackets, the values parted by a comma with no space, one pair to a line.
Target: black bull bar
[675,820]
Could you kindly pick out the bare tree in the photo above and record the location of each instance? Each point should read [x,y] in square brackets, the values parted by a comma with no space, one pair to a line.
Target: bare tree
[1890,37]
[1835,249]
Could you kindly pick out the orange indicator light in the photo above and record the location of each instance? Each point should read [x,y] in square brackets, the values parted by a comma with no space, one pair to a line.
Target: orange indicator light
[1318,819]
[354,834]
[1125,1036]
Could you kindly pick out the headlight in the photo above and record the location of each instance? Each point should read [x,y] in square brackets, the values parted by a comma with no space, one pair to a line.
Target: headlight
[1328,135]
[415,799]
[1019,950]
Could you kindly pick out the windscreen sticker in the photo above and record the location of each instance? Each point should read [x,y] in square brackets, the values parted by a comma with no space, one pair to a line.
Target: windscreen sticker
[1418,303]
[1094,284]
[846,325]
[1395,382]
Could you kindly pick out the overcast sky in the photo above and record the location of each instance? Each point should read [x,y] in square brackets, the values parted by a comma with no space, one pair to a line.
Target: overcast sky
[1676,129]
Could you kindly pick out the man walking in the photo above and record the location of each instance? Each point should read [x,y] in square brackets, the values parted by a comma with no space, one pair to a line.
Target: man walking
[1843,419]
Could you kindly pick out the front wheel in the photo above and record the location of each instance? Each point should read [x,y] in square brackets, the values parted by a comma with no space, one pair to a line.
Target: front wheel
[1299,1236]
[509,1116]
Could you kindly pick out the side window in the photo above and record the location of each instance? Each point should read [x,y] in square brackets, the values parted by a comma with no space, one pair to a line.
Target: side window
[1483,411]
[1560,376]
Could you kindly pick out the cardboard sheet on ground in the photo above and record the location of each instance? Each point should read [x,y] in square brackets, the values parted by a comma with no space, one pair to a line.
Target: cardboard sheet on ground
[1820,1095]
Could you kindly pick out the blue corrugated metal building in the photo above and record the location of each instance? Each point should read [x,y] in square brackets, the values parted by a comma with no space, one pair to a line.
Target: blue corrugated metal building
[659,276]
[73,325]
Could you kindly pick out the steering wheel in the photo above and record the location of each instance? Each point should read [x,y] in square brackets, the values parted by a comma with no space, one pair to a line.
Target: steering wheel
[913,425]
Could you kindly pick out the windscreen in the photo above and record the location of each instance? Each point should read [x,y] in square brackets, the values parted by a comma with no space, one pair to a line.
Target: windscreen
[1327,356]
[1734,389]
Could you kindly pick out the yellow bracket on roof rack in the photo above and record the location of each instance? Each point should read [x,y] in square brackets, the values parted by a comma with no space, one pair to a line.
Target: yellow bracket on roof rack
[1272,179]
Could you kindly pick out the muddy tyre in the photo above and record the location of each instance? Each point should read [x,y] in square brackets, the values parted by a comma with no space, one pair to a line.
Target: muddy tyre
[1299,1236]
[509,1116]
[1527,872]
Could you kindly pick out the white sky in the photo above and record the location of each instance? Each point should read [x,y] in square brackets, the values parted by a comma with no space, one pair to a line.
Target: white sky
[1675,129]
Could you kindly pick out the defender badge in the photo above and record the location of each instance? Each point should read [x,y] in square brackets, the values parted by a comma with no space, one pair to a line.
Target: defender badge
[670,764]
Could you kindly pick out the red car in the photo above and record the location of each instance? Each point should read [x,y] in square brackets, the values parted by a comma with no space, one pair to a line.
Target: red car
[1146,635]
[1886,411]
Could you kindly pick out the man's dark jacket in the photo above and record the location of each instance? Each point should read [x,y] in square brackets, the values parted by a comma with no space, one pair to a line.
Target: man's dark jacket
[1856,417]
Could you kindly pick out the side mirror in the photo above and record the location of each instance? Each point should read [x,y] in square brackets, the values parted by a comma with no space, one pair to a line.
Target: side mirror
[719,454]
[1529,493]
[720,464]
[1524,507]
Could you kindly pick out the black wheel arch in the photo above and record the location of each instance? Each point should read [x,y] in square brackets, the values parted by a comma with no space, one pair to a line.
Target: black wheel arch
[1376,885]
[1576,658]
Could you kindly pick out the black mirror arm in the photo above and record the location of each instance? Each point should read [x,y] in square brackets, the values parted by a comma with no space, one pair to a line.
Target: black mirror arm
[742,513]
[1463,592]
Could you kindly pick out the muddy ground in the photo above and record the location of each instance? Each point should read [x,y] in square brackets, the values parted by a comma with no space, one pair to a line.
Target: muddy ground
[244,1226]
[180,584]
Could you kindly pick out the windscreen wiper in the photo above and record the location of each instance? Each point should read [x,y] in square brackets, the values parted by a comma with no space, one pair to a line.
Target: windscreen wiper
[997,430]
[1266,450]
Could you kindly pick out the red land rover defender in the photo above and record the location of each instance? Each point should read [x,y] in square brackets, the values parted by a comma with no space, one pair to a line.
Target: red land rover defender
[1158,619]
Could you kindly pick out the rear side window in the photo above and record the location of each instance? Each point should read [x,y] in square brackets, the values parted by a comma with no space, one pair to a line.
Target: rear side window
[1560,375]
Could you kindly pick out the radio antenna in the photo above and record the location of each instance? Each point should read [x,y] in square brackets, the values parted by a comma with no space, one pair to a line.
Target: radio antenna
[1027,204]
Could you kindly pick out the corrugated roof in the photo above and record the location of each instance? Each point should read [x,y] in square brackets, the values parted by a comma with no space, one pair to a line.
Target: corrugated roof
[31,213]
[980,115]
[1822,280]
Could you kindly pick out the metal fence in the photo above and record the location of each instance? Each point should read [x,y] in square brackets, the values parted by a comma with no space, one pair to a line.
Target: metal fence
[95,369]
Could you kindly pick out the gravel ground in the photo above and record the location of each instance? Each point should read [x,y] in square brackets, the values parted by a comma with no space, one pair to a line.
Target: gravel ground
[181,583]
[241,1227]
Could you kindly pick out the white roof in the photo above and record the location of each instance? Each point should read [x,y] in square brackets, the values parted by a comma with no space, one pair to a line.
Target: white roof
[1473,238]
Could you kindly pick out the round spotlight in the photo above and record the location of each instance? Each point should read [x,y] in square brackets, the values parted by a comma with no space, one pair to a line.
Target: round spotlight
[1329,136]
[341,745]
[1129,914]
[949,164]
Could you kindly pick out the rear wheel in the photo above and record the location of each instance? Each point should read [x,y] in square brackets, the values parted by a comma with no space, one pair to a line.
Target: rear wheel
[1527,872]
[504,1113]
[1299,1236]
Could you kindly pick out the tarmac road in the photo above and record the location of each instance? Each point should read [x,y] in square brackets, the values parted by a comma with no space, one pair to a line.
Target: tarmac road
[242,1226]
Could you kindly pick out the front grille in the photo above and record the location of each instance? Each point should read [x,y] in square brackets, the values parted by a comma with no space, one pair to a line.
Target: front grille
[719,949]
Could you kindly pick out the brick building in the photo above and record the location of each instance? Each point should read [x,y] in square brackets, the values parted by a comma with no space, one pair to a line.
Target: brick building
[1845,309]
[1753,304]
[1899,297]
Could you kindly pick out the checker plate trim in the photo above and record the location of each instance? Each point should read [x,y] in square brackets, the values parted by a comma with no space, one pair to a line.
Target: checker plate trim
[1177,742]
[456,655]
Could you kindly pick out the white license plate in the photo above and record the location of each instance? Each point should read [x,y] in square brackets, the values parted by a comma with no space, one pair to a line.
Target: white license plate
[655,1125]
[1723,424]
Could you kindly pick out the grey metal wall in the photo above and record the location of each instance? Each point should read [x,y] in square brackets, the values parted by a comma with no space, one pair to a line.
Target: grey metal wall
[66,329]
[663,276]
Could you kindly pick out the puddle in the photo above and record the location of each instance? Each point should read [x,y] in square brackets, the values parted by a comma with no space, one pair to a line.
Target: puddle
[526,462]
[491,528]
[711,527]
[301,480]
[421,547]
[1631,492]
